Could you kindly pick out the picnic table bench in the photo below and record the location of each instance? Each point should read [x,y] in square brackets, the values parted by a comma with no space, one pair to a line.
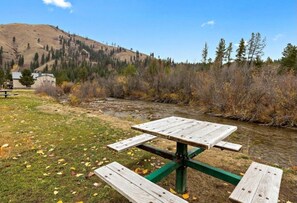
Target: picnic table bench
[6,93]
[260,183]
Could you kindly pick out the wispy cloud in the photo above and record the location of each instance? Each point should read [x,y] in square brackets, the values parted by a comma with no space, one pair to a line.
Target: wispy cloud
[210,22]
[277,37]
[58,3]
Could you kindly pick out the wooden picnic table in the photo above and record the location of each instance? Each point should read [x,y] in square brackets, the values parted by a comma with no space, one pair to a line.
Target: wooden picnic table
[260,182]
[184,132]
[5,93]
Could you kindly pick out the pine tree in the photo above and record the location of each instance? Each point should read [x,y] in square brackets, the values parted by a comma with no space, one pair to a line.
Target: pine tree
[289,59]
[228,54]
[255,47]
[2,77]
[240,56]
[220,53]
[26,78]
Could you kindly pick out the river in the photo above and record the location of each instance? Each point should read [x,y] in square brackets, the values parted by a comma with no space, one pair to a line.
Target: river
[277,146]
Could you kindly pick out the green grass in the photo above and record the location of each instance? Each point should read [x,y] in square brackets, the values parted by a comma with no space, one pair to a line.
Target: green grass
[47,150]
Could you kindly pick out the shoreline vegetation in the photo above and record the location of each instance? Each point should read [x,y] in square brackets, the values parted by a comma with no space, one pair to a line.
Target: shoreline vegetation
[247,94]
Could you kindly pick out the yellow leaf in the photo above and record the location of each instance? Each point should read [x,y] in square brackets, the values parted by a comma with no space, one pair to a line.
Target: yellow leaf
[56,192]
[60,201]
[80,202]
[79,174]
[72,168]
[144,171]
[172,191]
[59,173]
[28,166]
[186,196]
[194,198]
[39,152]
[87,164]
[95,194]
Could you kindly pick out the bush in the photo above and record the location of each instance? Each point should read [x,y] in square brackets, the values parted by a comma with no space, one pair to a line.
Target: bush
[48,89]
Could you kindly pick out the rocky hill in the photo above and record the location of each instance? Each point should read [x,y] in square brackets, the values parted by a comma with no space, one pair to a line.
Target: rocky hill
[40,46]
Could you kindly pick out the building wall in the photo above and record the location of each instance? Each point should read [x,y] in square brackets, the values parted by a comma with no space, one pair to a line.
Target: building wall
[41,80]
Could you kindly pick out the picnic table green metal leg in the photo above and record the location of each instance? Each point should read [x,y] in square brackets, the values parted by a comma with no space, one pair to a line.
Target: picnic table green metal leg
[181,172]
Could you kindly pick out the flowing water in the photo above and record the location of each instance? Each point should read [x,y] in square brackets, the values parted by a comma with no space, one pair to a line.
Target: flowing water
[274,145]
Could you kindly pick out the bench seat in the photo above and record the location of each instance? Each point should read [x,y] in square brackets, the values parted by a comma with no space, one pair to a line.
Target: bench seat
[140,139]
[133,186]
[260,183]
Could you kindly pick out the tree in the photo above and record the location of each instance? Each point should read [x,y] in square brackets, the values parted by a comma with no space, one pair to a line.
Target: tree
[204,54]
[2,77]
[289,59]
[28,46]
[220,53]
[13,39]
[26,78]
[228,54]
[1,56]
[255,47]
[240,56]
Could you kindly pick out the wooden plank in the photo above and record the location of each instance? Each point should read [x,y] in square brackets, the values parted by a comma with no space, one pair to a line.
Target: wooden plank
[217,135]
[255,184]
[124,186]
[150,187]
[161,127]
[228,146]
[133,186]
[156,123]
[269,186]
[131,142]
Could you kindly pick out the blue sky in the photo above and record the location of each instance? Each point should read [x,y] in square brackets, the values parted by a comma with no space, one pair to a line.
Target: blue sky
[169,28]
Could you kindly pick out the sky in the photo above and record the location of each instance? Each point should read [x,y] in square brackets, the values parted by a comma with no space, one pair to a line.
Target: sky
[168,28]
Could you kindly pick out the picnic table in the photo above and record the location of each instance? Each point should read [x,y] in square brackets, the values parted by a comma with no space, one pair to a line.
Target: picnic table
[260,183]
[6,93]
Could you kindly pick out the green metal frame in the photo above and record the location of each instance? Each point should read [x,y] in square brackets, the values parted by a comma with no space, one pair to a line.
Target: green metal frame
[180,161]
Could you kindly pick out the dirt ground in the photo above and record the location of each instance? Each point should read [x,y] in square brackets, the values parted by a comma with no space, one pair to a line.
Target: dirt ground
[201,187]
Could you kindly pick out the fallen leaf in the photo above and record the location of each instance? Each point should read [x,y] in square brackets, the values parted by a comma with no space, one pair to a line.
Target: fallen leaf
[87,164]
[28,166]
[80,202]
[79,174]
[5,145]
[59,173]
[186,196]
[242,174]
[172,191]
[194,198]
[72,168]
[95,194]
[60,201]
[145,171]
[56,192]
[91,174]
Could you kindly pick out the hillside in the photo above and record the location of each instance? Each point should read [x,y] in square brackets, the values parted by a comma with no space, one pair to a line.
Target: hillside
[24,40]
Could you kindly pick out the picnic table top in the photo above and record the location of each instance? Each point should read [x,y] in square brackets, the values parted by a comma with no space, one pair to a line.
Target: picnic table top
[187,131]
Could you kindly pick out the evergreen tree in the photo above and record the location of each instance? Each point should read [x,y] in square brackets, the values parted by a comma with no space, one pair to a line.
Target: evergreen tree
[220,53]
[42,60]
[240,56]
[1,56]
[13,39]
[204,54]
[2,77]
[228,54]
[28,46]
[289,59]
[26,78]
[255,47]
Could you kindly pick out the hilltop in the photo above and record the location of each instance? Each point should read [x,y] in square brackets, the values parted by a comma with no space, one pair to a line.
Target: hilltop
[21,42]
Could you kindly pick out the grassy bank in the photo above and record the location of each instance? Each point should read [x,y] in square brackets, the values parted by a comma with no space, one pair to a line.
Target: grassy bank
[50,157]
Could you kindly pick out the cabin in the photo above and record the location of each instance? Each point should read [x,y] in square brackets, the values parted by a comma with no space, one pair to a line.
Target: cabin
[39,78]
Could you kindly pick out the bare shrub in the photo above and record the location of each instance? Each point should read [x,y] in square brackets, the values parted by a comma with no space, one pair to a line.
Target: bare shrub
[48,89]
[66,87]
[86,91]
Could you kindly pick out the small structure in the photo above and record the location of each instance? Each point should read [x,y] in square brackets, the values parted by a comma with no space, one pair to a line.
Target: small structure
[39,79]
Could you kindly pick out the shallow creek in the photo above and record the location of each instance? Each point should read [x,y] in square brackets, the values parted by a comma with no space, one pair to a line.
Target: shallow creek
[275,145]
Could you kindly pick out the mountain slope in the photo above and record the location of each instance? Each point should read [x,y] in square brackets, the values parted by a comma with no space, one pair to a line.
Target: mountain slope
[26,40]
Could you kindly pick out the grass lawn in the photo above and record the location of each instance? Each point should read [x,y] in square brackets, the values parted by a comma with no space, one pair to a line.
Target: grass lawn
[51,156]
